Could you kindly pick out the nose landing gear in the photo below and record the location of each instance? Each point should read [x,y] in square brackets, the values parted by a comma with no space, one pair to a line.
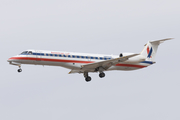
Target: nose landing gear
[19,65]
[19,70]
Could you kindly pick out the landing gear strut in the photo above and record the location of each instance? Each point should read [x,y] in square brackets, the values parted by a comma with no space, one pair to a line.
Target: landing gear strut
[101,73]
[19,70]
[19,65]
[87,77]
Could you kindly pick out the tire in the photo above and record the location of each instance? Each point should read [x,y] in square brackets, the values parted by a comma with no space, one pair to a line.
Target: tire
[101,75]
[19,70]
[88,79]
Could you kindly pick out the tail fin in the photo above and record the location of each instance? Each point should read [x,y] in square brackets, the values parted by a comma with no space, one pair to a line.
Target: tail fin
[150,49]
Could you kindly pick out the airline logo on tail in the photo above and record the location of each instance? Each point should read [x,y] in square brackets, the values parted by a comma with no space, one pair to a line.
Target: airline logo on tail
[149,52]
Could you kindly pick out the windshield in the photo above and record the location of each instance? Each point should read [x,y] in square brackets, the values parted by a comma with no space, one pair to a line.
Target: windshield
[30,52]
[26,53]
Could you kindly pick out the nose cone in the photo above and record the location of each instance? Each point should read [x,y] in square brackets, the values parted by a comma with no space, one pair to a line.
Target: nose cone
[10,59]
[13,59]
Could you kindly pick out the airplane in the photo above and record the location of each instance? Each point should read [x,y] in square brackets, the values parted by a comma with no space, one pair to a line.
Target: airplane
[85,63]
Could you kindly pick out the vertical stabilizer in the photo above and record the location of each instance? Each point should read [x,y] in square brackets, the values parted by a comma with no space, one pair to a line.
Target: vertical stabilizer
[151,48]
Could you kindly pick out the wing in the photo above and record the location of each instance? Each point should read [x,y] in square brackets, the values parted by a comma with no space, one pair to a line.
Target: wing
[108,63]
[104,64]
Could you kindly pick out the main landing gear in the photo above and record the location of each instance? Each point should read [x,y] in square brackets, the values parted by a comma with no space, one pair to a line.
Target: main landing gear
[101,74]
[87,77]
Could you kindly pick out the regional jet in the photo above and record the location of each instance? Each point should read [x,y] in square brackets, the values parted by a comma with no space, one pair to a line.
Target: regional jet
[85,63]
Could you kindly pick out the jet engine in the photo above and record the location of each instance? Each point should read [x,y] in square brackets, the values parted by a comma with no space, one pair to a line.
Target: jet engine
[121,55]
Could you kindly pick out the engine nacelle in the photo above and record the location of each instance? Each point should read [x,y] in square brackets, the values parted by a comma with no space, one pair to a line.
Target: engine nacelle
[121,55]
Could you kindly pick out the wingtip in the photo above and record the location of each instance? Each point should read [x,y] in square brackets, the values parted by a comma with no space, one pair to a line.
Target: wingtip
[168,38]
[160,41]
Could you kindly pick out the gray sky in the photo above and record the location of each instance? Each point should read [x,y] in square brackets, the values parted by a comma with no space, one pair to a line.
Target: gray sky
[92,26]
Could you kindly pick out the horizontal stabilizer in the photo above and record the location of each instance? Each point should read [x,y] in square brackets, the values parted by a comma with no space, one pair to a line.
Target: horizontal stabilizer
[160,41]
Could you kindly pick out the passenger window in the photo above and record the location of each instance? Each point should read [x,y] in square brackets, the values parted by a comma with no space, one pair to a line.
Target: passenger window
[101,58]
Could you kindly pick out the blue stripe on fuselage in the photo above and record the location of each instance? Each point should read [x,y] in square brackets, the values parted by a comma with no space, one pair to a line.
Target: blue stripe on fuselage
[148,62]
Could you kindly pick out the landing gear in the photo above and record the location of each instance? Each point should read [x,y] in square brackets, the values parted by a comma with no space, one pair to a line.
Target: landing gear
[101,75]
[19,70]
[87,77]
[19,65]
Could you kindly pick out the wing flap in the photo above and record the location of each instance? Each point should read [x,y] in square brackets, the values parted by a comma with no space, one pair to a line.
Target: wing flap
[75,71]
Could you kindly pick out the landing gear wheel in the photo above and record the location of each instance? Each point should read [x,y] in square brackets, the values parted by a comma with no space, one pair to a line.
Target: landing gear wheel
[88,79]
[101,75]
[19,70]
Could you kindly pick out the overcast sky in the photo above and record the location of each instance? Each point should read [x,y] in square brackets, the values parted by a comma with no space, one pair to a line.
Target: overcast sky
[90,26]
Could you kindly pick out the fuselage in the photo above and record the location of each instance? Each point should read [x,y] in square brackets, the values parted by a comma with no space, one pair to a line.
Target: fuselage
[85,62]
[74,61]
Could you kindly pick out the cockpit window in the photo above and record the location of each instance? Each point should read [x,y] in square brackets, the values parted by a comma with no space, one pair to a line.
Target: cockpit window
[27,53]
[24,53]
[30,52]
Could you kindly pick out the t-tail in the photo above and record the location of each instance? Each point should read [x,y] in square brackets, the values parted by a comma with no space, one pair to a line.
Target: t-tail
[151,48]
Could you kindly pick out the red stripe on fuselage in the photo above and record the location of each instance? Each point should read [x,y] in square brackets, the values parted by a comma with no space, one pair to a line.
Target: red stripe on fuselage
[69,61]
[130,65]
[50,60]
